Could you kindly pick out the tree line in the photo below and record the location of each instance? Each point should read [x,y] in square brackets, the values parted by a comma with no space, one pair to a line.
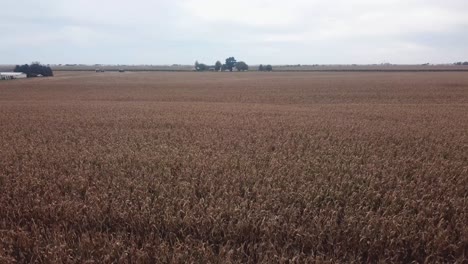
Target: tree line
[265,68]
[34,70]
[230,64]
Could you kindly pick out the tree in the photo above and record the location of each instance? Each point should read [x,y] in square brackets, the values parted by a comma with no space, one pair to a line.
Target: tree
[35,69]
[24,69]
[261,68]
[201,66]
[218,65]
[230,63]
[48,71]
[268,68]
[242,66]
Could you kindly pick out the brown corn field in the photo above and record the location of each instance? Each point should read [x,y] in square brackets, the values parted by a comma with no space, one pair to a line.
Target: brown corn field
[234,168]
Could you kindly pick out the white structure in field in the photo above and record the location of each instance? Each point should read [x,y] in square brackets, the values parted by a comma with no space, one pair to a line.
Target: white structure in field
[12,75]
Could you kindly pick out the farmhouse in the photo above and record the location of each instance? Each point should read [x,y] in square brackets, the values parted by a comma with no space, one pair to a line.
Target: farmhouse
[12,75]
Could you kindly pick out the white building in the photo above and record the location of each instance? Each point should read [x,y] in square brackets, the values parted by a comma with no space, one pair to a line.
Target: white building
[12,75]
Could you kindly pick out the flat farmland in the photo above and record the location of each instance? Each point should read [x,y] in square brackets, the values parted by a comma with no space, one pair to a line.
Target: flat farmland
[234,167]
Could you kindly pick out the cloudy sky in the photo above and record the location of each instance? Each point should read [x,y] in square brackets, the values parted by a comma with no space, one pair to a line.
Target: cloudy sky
[257,31]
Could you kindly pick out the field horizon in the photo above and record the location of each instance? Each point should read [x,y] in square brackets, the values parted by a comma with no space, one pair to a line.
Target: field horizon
[254,67]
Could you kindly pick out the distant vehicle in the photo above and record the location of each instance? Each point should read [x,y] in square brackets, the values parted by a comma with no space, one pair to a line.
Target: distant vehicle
[121,70]
[99,70]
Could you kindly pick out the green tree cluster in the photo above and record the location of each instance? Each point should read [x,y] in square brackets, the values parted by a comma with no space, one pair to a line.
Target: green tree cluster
[265,68]
[242,66]
[230,64]
[34,70]
[201,66]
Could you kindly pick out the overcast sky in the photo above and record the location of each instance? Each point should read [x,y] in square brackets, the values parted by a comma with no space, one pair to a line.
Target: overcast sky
[257,31]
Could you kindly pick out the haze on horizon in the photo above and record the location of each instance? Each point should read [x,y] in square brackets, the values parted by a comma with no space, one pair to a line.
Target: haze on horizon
[256,31]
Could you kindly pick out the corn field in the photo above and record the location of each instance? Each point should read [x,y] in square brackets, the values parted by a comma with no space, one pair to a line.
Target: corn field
[189,167]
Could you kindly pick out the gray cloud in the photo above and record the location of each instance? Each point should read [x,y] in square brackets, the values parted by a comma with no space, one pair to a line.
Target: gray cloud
[258,31]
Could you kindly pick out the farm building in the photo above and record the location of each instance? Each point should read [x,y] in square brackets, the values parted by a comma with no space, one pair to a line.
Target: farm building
[12,75]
